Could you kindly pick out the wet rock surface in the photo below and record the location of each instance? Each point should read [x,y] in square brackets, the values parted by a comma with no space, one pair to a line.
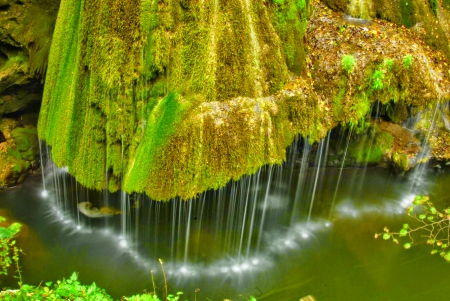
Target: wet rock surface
[19,150]
[26,29]
[383,84]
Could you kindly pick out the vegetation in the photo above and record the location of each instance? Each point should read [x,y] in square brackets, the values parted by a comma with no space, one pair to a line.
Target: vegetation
[65,289]
[348,62]
[434,6]
[73,289]
[377,80]
[140,95]
[158,121]
[432,225]
[9,252]
[407,61]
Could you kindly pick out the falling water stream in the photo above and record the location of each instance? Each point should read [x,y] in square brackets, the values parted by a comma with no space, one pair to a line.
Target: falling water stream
[286,232]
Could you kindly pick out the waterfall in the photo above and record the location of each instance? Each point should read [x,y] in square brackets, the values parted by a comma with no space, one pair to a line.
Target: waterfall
[360,9]
[234,229]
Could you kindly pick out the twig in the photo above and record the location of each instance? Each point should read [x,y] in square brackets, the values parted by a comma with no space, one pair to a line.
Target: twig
[153,282]
[165,279]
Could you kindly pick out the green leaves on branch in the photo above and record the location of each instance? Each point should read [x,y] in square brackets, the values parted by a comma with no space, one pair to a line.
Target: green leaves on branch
[9,252]
[431,224]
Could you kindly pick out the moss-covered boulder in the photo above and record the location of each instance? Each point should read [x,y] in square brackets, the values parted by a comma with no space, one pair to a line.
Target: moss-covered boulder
[428,18]
[371,148]
[387,144]
[173,96]
[26,29]
[19,151]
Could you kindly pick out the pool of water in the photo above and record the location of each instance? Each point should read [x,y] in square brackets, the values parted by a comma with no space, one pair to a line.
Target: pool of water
[281,234]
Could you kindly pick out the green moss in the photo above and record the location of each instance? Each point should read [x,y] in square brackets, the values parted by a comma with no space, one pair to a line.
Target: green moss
[289,20]
[410,13]
[348,62]
[25,138]
[401,160]
[370,148]
[132,88]
[446,4]
[161,123]
[407,12]
[434,6]
[337,5]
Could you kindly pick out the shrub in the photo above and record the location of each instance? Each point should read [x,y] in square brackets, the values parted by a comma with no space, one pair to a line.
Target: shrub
[348,62]
[377,80]
[433,224]
[388,64]
[407,61]
[434,6]
[9,252]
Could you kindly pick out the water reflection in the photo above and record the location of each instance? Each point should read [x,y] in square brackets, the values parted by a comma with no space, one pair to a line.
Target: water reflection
[253,233]
[351,208]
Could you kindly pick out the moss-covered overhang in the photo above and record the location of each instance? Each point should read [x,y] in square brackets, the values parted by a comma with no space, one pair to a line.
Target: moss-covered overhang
[172,99]
[429,19]
[128,80]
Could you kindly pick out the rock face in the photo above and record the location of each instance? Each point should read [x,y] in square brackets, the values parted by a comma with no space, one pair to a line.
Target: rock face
[382,70]
[173,98]
[428,18]
[138,86]
[26,29]
[18,151]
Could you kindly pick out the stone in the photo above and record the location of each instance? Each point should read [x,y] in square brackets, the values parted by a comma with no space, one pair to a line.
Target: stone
[26,29]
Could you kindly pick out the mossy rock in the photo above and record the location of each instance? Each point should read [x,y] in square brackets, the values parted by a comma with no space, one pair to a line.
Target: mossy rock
[13,171]
[371,148]
[446,4]
[26,141]
[337,5]
[412,12]
[7,125]
[18,151]
[132,88]
[401,161]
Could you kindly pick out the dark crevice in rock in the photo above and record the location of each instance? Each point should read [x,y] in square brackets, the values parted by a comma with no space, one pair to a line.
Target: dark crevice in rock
[2,137]
[9,50]
[4,7]
[3,58]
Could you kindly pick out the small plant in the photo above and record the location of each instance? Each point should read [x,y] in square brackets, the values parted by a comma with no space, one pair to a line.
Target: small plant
[434,6]
[70,289]
[433,225]
[407,61]
[348,62]
[388,64]
[9,252]
[377,80]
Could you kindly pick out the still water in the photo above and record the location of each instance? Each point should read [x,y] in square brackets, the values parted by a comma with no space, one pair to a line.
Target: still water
[281,234]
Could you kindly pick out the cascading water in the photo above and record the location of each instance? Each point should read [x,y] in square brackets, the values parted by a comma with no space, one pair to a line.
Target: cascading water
[360,9]
[229,237]
[243,212]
